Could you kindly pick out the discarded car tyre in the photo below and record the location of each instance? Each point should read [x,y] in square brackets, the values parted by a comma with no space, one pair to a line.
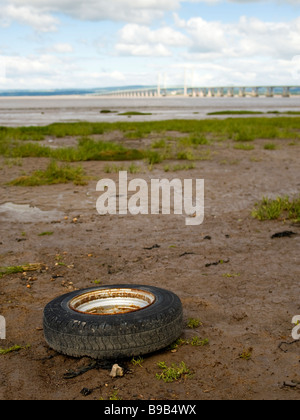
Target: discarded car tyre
[112,322]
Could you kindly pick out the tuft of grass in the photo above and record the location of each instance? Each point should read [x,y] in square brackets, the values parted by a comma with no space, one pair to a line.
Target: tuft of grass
[235,113]
[115,396]
[244,134]
[87,150]
[178,343]
[177,168]
[46,234]
[231,275]
[193,323]
[243,146]
[186,155]
[173,373]
[5,271]
[132,169]
[16,143]
[196,341]
[133,135]
[270,146]
[154,157]
[246,354]
[282,208]
[13,349]
[137,362]
[284,112]
[114,169]
[134,113]
[54,174]
[159,144]
[195,139]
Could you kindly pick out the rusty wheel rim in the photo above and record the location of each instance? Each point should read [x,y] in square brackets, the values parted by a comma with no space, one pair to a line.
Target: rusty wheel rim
[112,301]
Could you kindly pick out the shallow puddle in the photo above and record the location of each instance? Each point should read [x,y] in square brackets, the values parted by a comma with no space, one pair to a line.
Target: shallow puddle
[26,213]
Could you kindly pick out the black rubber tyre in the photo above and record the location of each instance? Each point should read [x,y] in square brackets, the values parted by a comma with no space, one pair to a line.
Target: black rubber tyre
[113,336]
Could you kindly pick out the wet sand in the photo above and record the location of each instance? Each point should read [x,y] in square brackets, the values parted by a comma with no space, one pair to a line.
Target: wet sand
[24,111]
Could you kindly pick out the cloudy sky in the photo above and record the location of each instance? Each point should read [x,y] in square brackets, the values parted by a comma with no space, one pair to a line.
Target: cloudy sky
[47,44]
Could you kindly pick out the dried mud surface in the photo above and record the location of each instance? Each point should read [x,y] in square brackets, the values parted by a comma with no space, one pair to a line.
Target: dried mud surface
[246,304]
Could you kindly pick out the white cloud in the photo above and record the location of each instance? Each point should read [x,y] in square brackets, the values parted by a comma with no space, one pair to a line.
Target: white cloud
[247,51]
[142,11]
[248,37]
[27,15]
[44,65]
[61,48]
[207,36]
[114,76]
[143,50]
[139,34]
[40,13]
[49,71]
[139,40]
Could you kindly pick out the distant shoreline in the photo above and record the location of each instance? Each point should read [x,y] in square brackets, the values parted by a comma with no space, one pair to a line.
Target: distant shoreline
[100,97]
[45,110]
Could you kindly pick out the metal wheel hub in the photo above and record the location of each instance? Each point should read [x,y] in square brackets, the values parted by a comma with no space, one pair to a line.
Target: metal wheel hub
[112,301]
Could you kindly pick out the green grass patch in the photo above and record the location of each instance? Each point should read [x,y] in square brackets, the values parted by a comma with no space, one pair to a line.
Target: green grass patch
[154,157]
[197,342]
[16,143]
[138,361]
[195,139]
[134,135]
[177,168]
[243,146]
[173,373]
[134,113]
[245,112]
[283,208]
[13,349]
[87,150]
[284,112]
[270,146]
[193,323]
[214,127]
[186,155]
[244,134]
[46,234]
[115,169]
[246,354]
[159,144]
[235,113]
[5,271]
[54,174]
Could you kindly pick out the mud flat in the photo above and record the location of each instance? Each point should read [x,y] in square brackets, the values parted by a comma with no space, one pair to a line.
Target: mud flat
[24,111]
[231,276]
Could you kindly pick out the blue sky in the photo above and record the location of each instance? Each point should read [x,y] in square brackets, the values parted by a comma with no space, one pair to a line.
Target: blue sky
[48,44]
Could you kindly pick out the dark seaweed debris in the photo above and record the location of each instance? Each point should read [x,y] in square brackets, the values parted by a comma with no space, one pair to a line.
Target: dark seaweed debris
[285,234]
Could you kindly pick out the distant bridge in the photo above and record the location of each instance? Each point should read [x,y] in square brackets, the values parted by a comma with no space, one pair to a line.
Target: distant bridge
[202,92]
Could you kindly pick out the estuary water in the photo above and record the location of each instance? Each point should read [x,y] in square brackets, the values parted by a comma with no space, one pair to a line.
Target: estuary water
[34,111]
